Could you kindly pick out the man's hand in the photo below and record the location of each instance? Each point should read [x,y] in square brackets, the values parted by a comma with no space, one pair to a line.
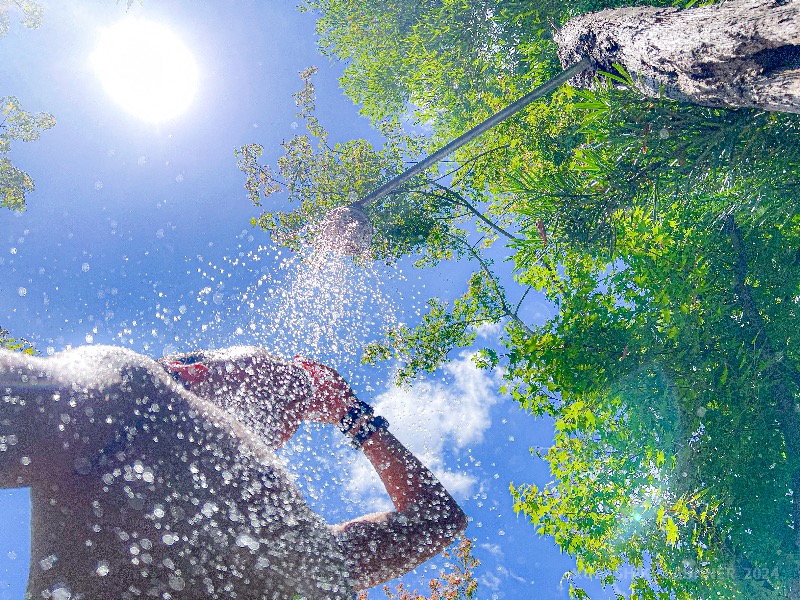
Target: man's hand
[333,396]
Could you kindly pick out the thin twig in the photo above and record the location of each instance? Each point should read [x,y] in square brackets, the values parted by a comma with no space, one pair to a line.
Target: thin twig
[501,297]
[471,160]
[459,199]
[516,310]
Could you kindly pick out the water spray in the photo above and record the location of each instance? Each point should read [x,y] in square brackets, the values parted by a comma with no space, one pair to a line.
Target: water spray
[347,230]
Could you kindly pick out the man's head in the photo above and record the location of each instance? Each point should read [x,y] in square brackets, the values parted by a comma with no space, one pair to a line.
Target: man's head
[248,381]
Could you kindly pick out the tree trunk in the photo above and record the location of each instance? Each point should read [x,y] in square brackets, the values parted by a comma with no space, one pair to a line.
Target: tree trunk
[738,53]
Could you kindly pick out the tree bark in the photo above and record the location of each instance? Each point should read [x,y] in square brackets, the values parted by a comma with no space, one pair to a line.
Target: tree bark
[738,53]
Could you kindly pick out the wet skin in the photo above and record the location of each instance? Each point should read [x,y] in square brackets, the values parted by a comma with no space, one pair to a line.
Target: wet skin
[141,488]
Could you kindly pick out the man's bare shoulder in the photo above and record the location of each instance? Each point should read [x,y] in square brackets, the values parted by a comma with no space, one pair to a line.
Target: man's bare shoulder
[58,409]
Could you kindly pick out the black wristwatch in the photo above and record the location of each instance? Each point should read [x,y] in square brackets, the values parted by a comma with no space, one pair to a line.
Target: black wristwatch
[367,429]
[349,420]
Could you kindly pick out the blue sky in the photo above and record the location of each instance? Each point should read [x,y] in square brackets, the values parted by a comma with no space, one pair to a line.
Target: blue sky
[138,235]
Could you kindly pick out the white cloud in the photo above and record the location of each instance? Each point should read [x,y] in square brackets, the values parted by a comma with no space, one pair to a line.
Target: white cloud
[490,581]
[430,418]
[493,549]
[506,573]
[490,331]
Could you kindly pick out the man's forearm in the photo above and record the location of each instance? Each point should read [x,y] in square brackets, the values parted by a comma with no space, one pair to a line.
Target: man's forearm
[410,485]
[427,518]
[383,546]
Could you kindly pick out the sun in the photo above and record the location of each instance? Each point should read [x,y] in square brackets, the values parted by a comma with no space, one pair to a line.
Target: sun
[146,69]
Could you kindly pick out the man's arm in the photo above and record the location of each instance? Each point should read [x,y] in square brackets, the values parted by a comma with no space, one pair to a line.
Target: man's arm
[382,546]
[426,518]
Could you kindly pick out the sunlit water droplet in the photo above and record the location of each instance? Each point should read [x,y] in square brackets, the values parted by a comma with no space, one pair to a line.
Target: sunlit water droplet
[48,562]
[61,592]
[177,583]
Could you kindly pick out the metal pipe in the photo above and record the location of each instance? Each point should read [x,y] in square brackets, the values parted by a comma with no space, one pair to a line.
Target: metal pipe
[470,135]
[347,230]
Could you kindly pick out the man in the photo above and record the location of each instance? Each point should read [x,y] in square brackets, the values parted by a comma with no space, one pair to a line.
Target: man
[158,479]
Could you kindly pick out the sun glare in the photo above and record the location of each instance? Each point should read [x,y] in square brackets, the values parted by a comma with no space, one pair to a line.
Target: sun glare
[146,69]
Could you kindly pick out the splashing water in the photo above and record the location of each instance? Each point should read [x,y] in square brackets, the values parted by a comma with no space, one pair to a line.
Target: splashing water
[307,304]
[329,308]
[321,306]
[325,307]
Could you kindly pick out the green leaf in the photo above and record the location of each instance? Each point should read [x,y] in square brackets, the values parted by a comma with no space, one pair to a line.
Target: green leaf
[671,530]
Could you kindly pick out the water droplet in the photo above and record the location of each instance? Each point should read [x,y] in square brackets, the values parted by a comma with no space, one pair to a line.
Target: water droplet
[47,562]
[177,583]
[246,541]
[22,292]
[209,508]
[61,592]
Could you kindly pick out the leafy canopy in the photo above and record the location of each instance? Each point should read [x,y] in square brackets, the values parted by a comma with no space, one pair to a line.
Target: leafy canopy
[31,14]
[16,345]
[15,123]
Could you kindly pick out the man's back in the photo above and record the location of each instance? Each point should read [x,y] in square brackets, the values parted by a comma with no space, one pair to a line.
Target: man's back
[150,492]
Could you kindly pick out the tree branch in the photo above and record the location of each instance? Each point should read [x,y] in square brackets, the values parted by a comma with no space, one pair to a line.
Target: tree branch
[459,199]
[471,161]
[507,312]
